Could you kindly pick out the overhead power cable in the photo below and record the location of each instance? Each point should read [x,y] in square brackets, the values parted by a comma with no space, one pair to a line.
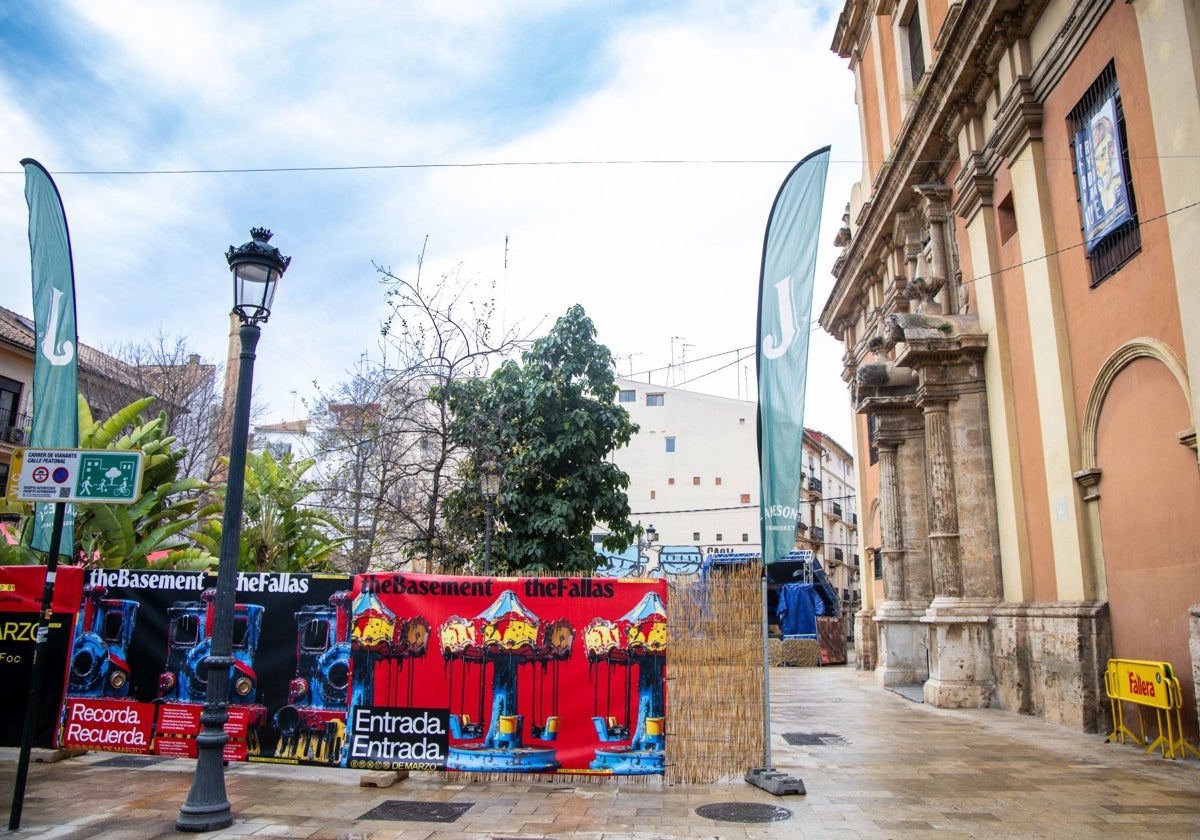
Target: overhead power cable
[376,167]
[1072,246]
[494,164]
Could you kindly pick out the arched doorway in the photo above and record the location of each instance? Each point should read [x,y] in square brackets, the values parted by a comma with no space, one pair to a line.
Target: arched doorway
[1149,514]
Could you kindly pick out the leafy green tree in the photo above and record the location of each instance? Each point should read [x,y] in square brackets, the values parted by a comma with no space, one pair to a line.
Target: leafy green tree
[154,530]
[126,536]
[279,533]
[550,422]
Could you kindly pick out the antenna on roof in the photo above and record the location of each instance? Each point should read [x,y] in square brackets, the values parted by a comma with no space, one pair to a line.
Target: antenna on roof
[683,364]
[504,289]
[628,357]
[671,369]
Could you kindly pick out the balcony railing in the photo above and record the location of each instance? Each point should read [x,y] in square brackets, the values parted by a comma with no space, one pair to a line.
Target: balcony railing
[814,485]
[14,428]
[817,534]
[835,509]
[838,554]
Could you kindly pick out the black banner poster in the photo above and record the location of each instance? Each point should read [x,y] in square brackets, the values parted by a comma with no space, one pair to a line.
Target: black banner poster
[407,738]
[137,682]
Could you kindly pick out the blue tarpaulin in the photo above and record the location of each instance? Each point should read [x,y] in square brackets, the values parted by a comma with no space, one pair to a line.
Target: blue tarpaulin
[799,606]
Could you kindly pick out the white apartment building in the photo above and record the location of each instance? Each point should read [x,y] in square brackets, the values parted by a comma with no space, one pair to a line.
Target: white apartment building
[693,467]
[694,475]
[829,515]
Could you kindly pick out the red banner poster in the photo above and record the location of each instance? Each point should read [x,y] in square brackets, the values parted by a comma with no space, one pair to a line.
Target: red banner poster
[90,723]
[507,675]
[21,590]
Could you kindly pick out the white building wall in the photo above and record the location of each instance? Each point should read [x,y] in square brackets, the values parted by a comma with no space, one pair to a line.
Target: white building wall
[836,472]
[706,492]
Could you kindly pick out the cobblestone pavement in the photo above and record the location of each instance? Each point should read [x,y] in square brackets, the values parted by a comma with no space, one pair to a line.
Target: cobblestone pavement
[875,765]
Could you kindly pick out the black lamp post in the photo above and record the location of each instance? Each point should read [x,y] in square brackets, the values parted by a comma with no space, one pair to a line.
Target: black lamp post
[256,267]
[643,543]
[489,481]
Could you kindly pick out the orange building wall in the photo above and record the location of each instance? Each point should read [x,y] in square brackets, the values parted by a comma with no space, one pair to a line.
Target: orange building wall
[935,10]
[1025,405]
[869,76]
[1149,509]
[891,83]
[1141,298]
[868,508]
[1150,489]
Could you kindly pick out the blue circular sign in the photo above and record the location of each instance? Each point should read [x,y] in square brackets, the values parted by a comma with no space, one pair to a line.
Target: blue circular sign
[61,474]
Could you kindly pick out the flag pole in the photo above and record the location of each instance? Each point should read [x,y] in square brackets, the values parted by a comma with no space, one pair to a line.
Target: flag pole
[35,679]
[785,291]
[766,677]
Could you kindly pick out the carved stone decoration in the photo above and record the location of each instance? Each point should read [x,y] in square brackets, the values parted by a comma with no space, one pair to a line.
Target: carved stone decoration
[924,287]
[940,220]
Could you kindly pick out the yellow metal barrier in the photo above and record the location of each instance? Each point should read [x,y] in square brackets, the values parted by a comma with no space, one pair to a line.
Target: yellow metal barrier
[1151,684]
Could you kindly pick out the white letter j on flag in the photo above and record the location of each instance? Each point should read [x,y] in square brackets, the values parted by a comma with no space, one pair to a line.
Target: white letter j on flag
[787,321]
[62,352]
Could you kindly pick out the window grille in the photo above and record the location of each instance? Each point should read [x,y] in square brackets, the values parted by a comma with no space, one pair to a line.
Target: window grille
[1120,245]
[916,48]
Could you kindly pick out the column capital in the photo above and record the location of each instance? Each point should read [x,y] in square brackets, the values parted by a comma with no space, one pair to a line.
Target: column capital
[1089,482]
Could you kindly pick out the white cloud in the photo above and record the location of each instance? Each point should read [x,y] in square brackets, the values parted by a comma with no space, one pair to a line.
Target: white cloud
[652,251]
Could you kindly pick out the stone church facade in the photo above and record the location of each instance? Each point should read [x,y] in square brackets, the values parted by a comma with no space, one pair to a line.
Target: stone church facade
[1018,301]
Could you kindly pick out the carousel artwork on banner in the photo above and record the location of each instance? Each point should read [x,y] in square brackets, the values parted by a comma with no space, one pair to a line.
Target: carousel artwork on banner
[638,639]
[512,690]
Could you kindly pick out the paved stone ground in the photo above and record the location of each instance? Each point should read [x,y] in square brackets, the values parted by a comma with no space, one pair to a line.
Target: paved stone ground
[875,765]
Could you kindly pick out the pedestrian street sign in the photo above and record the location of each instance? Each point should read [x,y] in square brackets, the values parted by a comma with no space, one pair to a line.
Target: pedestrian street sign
[76,475]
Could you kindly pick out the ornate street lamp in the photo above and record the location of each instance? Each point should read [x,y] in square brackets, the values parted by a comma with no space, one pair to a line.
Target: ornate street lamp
[644,542]
[489,482]
[256,267]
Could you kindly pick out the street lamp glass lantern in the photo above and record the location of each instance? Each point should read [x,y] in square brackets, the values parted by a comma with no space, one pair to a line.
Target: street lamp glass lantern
[256,268]
[489,479]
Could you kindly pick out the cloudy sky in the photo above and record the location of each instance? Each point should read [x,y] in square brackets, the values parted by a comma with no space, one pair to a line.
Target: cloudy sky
[628,152]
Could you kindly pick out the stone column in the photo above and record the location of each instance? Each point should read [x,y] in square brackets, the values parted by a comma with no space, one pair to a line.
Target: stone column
[1095,584]
[1194,648]
[891,537]
[903,638]
[943,509]
[866,642]
[233,366]
[960,668]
